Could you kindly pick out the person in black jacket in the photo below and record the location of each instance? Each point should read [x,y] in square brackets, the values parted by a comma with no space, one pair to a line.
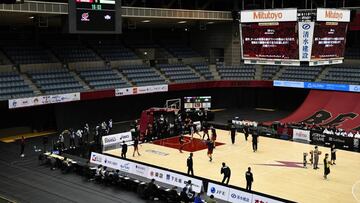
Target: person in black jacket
[232,133]
[189,163]
[227,173]
[249,179]
[124,149]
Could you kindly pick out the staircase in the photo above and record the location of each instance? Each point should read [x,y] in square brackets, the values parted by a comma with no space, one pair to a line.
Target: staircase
[324,71]
[279,73]
[124,78]
[196,72]
[214,72]
[259,71]
[82,83]
[28,81]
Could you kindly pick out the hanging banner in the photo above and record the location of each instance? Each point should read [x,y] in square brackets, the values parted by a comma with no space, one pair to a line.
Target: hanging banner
[306,33]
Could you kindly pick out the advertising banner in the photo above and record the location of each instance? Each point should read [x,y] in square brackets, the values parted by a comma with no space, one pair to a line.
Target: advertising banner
[270,15]
[115,141]
[174,179]
[111,162]
[238,196]
[42,100]
[219,191]
[318,138]
[301,135]
[340,142]
[306,33]
[141,90]
[332,15]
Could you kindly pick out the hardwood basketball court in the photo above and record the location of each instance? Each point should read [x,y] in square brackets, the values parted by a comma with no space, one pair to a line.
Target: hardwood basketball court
[277,167]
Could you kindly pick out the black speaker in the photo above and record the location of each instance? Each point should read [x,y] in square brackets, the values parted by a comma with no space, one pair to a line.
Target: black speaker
[235,15]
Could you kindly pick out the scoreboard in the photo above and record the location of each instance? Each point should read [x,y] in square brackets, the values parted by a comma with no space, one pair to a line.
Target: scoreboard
[199,102]
[95,16]
[291,36]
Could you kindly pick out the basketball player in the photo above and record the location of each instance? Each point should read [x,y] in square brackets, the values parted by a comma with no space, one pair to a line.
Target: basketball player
[232,133]
[246,131]
[210,145]
[213,135]
[333,154]
[193,130]
[136,146]
[205,130]
[326,166]
[181,142]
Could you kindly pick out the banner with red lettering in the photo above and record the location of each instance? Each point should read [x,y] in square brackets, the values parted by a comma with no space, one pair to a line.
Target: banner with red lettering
[269,15]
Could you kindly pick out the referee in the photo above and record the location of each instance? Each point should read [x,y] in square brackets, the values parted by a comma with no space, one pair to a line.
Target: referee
[189,163]
[232,133]
[249,179]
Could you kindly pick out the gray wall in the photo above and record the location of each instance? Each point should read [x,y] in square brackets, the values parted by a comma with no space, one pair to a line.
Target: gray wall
[218,36]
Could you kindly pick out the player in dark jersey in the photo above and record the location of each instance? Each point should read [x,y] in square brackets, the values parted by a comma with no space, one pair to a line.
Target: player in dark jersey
[210,145]
[205,130]
[136,146]
[181,142]
[213,135]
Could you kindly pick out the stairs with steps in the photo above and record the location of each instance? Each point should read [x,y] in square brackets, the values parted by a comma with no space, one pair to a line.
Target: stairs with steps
[167,80]
[259,71]
[32,85]
[279,73]
[123,77]
[214,72]
[196,72]
[82,82]
[323,72]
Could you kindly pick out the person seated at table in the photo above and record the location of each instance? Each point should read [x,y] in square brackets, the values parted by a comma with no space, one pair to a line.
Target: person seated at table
[211,199]
[198,199]
[189,191]
[98,172]
[151,190]
[173,195]
[184,196]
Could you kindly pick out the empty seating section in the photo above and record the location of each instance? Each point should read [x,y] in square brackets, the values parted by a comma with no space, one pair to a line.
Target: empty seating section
[74,53]
[28,54]
[352,53]
[55,81]
[204,70]
[269,72]
[142,75]
[102,78]
[114,52]
[242,72]
[300,73]
[342,74]
[13,86]
[178,72]
[179,49]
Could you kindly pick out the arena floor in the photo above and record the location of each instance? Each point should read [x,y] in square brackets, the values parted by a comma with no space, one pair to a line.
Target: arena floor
[277,167]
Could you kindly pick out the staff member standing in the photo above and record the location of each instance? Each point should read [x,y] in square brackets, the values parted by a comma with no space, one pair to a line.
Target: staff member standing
[124,149]
[333,154]
[232,133]
[316,157]
[189,163]
[255,140]
[326,166]
[249,179]
[227,173]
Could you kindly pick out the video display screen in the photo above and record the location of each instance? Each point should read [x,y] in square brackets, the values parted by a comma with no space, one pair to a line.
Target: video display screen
[94,16]
[197,102]
[275,40]
[329,40]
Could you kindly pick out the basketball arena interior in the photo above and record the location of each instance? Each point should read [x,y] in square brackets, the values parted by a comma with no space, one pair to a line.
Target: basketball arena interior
[175,101]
